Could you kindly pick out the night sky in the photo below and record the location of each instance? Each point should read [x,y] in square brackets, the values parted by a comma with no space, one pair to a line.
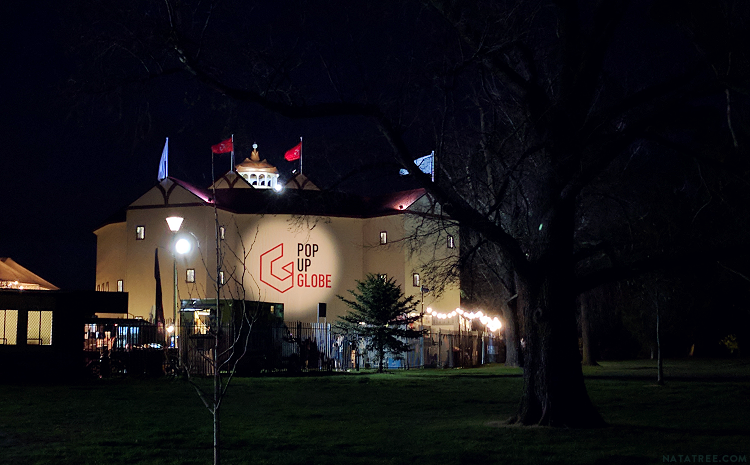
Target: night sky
[72,158]
[77,148]
[53,173]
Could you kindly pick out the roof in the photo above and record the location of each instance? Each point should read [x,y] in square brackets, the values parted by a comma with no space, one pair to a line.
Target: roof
[251,166]
[301,181]
[203,194]
[314,202]
[305,200]
[255,164]
[10,271]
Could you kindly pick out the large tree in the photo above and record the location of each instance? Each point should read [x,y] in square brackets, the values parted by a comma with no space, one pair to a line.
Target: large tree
[584,140]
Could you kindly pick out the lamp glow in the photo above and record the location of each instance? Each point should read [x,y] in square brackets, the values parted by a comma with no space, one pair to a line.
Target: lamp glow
[174,223]
[182,246]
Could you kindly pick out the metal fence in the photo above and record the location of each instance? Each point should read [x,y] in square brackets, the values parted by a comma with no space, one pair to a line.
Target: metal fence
[450,349]
[123,334]
[442,349]
[123,347]
[266,347]
[298,346]
[273,347]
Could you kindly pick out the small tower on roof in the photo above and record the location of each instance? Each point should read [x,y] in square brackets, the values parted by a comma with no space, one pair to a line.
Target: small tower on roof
[259,174]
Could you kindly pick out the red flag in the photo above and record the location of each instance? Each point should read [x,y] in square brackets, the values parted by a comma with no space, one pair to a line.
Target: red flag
[293,153]
[223,146]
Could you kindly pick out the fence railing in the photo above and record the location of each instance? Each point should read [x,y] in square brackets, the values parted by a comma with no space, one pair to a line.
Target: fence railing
[294,347]
[120,335]
[298,346]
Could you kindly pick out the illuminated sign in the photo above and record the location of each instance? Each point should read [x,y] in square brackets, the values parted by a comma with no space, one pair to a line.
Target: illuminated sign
[276,272]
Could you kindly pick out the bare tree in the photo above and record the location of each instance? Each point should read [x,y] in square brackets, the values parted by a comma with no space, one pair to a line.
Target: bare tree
[230,334]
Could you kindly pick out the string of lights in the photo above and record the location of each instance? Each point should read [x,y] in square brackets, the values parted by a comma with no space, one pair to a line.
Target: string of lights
[492,324]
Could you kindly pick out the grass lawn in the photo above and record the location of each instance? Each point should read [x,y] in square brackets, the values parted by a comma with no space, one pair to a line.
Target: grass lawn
[414,417]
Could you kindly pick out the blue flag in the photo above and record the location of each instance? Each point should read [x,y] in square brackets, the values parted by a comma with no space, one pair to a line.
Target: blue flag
[425,164]
[163,163]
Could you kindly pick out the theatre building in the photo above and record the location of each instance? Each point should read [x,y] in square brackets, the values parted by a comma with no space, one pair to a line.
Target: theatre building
[285,243]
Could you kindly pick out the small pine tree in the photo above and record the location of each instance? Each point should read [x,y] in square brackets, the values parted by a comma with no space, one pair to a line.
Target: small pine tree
[380,314]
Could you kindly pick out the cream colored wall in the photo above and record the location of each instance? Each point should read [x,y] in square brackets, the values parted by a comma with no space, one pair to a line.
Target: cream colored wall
[384,259]
[151,211]
[330,248]
[432,247]
[396,259]
[111,261]
[141,283]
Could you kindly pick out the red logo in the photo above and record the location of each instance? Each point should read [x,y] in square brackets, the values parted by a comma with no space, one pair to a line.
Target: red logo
[273,272]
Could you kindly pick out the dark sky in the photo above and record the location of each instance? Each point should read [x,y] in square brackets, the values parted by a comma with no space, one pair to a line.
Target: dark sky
[67,165]
[47,163]
[72,157]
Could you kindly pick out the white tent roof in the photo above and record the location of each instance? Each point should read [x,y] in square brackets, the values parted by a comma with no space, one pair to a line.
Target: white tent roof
[12,272]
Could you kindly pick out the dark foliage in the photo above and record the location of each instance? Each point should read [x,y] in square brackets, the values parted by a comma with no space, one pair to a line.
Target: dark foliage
[382,316]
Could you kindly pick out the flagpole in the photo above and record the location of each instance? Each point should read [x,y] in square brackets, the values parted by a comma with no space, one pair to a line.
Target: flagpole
[166,165]
[231,168]
[300,154]
[433,166]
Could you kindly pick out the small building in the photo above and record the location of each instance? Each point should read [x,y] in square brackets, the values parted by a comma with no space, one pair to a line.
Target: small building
[42,332]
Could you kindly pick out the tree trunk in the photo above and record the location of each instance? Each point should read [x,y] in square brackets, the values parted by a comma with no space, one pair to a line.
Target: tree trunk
[511,333]
[587,357]
[217,399]
[554,391]
[659,363]
[381,356]
[217,458]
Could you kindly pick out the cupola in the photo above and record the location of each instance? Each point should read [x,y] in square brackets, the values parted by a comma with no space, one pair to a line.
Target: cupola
[259,174]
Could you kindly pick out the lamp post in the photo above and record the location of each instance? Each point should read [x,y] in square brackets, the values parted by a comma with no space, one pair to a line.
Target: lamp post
[174,223]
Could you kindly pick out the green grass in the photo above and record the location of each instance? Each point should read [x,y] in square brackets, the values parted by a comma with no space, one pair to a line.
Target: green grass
[414,417]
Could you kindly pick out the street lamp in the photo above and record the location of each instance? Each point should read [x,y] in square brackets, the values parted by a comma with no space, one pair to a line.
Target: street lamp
[174,223]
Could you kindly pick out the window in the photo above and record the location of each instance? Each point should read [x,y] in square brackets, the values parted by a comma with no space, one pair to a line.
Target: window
[120,285]
[190,275]
[383,276]
[8,327]
[451,244]
[415,279]
[39,331]
[222,232]
[140,233]
[221,277]
[383,237]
